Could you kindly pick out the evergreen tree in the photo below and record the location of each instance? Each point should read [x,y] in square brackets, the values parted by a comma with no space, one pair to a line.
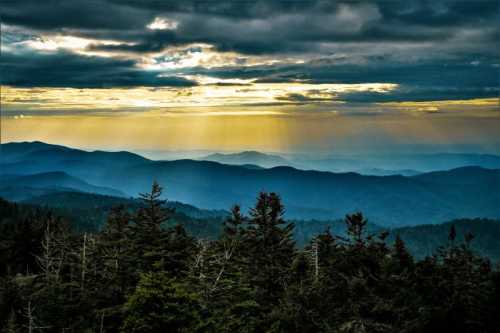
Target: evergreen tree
[114,246]
[356,224]
[138,274]
[153,214]
[146,234]
[270,251]
[401,254]
[161,303]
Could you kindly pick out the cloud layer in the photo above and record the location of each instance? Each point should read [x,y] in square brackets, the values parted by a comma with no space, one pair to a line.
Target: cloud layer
[433,50]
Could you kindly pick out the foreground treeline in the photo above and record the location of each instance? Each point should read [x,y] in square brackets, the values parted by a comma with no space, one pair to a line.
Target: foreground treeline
[136,275]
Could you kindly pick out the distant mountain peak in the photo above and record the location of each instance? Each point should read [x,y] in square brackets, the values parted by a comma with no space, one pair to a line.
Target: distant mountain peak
[248,157]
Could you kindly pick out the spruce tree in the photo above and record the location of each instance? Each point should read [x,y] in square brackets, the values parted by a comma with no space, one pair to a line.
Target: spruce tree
[147,236]
[270,250]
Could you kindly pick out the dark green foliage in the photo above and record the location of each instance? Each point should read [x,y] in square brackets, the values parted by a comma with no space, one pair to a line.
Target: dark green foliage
[424,240]
[143,272]
[270,249]
[160,303]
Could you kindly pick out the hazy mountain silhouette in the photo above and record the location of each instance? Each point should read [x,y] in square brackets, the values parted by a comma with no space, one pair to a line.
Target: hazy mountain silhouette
[399,163]
[385,172]
[248,158]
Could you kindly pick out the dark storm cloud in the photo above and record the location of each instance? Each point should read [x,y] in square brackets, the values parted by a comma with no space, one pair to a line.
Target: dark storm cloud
[255,27]
[423,81]
[428,73]
[426,46]
[76,14]
[70,70]
[436,12]
[239,9]
[295,27]
[421,94]
[441,13]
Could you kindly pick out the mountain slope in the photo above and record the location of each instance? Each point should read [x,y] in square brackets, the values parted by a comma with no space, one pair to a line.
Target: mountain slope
[22,187]
[74,200]
[424,240]
[37,157]
[88,212]
[464,176]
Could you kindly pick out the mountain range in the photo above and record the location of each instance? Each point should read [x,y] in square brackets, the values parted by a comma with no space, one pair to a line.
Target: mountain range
[396,163]
[387,200]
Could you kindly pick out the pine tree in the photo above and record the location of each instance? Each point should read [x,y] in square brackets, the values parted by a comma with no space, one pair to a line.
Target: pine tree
[271,250]
[161,303]
[356,224]
[452,235]
[113,244]
[233,224]
[153,214]
[148,238]
[401,254]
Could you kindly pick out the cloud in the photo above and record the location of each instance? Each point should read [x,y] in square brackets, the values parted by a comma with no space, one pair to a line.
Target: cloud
[270,26]
[426,80]
[75,14]
[431,49]
[65,69]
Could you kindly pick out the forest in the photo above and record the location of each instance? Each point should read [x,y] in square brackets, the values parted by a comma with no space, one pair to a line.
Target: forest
[143,271]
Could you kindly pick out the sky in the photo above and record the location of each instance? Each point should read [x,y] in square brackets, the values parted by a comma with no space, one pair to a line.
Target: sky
[280,76]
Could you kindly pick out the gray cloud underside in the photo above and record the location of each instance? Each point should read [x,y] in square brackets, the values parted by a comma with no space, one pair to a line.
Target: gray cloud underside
[69,70]
[433,49]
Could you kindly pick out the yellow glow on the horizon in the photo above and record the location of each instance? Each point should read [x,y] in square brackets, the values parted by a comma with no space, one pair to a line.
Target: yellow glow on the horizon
[208,95]
[260,116]
[224,132]
[228,131]
[476,101]
[453,106]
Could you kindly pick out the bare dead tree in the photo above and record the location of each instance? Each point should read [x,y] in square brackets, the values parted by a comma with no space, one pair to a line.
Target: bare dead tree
[315,258]
[30,317]
[223,260]
[47,261]
[101,326]
[199,260]
[83,262]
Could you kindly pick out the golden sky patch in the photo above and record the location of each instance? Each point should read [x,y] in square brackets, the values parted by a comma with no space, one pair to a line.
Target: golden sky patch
[207,95]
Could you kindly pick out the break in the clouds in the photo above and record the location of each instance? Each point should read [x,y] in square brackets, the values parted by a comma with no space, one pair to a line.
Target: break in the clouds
[432,49]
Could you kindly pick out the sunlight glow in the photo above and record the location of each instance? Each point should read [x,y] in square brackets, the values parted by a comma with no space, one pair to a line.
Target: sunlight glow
[482,106]
[160,23]
[53,43]
[208,94]
[205,55]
